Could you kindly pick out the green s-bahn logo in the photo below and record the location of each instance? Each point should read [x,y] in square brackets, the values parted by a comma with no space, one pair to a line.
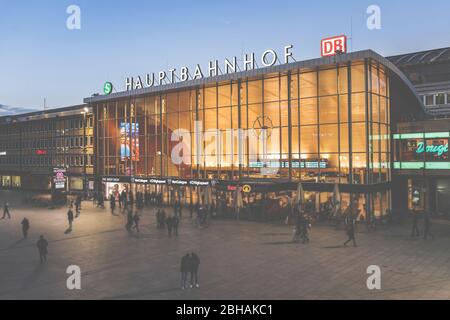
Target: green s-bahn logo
[108,88]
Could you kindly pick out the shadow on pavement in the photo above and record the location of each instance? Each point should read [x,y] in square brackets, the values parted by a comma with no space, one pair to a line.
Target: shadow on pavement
[16,243]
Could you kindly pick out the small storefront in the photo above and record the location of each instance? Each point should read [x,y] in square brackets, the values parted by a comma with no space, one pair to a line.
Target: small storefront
[10,182]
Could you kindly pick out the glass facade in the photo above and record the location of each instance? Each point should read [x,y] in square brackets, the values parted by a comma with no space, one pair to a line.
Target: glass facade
[316,128]
[324,125]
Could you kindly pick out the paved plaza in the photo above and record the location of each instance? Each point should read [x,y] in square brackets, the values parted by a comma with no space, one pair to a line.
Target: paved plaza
[239,260]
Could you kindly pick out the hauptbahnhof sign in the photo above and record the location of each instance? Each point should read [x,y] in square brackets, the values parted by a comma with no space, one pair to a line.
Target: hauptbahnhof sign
[249,62]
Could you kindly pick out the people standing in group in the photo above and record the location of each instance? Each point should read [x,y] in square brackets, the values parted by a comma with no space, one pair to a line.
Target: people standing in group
[351,232]
[194,265]
[6,212]
[415,228]
[185,269]
[42,246]
[427,226]
[70,218]
[112,203]
[25,227]
[136,219]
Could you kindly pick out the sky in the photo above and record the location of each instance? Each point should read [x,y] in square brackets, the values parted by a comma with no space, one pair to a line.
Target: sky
[41,58]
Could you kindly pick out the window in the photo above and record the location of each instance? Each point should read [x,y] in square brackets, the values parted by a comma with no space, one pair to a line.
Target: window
[440,98]
[429,100]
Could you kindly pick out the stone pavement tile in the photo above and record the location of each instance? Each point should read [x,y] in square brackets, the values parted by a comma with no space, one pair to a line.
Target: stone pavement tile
[240,260]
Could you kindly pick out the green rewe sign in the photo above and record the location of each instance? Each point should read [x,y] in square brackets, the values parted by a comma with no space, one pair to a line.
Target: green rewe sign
[108,88]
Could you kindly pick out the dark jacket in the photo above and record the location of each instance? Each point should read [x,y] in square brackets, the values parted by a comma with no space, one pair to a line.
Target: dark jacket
[169,222]
[25,224]
[195,261]
[42,245]
[70,215]
[185,263]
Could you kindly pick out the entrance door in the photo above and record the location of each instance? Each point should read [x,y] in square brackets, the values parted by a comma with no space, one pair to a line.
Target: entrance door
[442,198]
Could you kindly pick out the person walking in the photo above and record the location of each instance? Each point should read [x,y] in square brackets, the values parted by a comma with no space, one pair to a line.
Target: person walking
[122,199]
[169,223]
[78,206]
[158,218]
[25,227]
[184,269]
[180,209]
[6,211]
[351,233]
[70,218]
[130,220]
[415,228]
[42,246]
[191,209]
[136,220]
[305,227]
[175,209]
[175,224]
[163,219]
[112,202]
[427,227]
[194,265]
[298,228]
[77,209]
[130,199]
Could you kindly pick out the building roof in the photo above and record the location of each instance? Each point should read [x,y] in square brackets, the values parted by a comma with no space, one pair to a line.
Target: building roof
[423,57]
[312,63]
[45,114]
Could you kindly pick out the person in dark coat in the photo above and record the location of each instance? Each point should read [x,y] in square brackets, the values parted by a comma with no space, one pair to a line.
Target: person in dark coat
[415,228]
[122,199]
[78,206]
[184,269]
[70,218]
[427,227]
[169,224]
[158,218]
[175,224]
[194,265]
[180,210]
[42,245]
[130,220]
[25,227]
[130,199]
[112,203]
[191,210]
[163,219]
[136,220]
[351,233]
[6,211]
[175,209]
[305,227]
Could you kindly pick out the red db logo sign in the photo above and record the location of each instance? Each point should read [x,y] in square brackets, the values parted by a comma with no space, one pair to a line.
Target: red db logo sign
[333,46]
